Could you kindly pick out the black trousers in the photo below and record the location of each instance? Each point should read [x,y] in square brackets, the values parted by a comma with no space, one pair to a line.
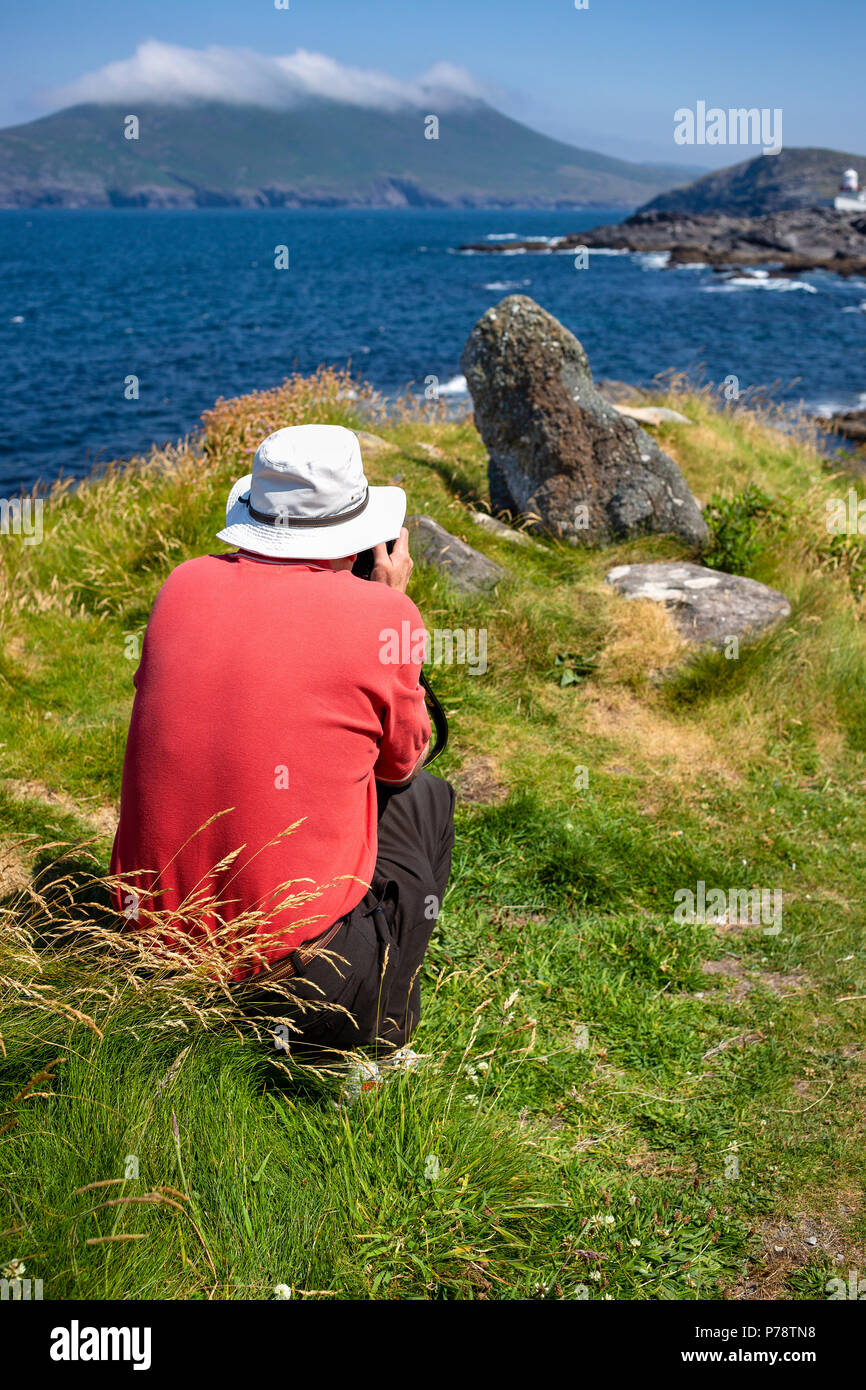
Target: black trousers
[369,966]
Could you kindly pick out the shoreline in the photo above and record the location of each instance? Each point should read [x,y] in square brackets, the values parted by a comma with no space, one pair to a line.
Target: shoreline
[786,243]
[845,442]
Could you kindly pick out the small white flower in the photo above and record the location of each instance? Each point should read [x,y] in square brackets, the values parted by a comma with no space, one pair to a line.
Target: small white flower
[282,1291]
[635,1244]
[483,1066]
[471,1100]
[14,1270]
[609,1221]
[595,1276]
[631,1199]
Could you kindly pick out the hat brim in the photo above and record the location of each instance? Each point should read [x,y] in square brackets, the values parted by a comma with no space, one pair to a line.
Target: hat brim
[380,520]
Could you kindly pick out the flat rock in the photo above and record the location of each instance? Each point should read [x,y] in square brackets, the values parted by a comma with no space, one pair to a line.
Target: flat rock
[467,569]
[432,450]
[652,414]
[707,606]
[499,528]
[560,455]
[619,392]
[373,443]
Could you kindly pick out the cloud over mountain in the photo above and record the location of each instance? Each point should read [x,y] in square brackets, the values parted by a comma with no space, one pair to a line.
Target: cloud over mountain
[165,72]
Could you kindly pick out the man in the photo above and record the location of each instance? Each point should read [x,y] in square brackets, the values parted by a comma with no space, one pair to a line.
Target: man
[274,809]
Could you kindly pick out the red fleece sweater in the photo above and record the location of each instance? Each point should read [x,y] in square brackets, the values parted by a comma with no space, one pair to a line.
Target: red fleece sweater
[268,696]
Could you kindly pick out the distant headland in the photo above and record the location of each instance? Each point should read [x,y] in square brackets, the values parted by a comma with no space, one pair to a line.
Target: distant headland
[796,211]
[321,153]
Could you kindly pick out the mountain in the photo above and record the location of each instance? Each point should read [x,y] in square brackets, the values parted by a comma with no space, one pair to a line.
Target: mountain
[321,153]
[795,178]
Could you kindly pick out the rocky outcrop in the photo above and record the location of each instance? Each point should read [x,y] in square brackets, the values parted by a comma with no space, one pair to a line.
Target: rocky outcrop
[467,569]
[851,424]
[708,606]
[793,241]
[560,455]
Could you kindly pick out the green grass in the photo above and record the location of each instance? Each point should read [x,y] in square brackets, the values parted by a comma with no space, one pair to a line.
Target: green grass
[590,1089]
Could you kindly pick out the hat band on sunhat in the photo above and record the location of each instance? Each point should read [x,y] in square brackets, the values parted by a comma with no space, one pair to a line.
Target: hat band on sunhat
[283,520]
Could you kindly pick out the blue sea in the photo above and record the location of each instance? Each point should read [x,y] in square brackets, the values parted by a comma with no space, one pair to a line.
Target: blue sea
[191,304]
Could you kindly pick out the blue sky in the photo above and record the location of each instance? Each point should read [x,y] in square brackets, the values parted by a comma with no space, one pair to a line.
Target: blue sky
[608,77]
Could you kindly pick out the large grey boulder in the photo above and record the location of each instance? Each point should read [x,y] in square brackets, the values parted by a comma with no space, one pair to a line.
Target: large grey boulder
[559,452]
[468,570]
[707,606]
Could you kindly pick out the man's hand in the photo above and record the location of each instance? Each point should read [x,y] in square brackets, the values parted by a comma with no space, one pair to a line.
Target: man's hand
[394,569]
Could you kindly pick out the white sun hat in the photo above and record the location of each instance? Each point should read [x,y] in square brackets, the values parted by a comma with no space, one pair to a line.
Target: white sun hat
[307,498]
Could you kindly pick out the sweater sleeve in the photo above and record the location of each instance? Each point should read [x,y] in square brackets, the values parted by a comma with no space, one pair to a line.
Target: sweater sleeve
[405,724]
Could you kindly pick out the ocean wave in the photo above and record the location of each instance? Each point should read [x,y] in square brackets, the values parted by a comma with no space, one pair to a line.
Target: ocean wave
[542,240]
[849,308]
[758,282]
[652,260]
[507,284]
[457,386]
[592,250]
[823,409]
